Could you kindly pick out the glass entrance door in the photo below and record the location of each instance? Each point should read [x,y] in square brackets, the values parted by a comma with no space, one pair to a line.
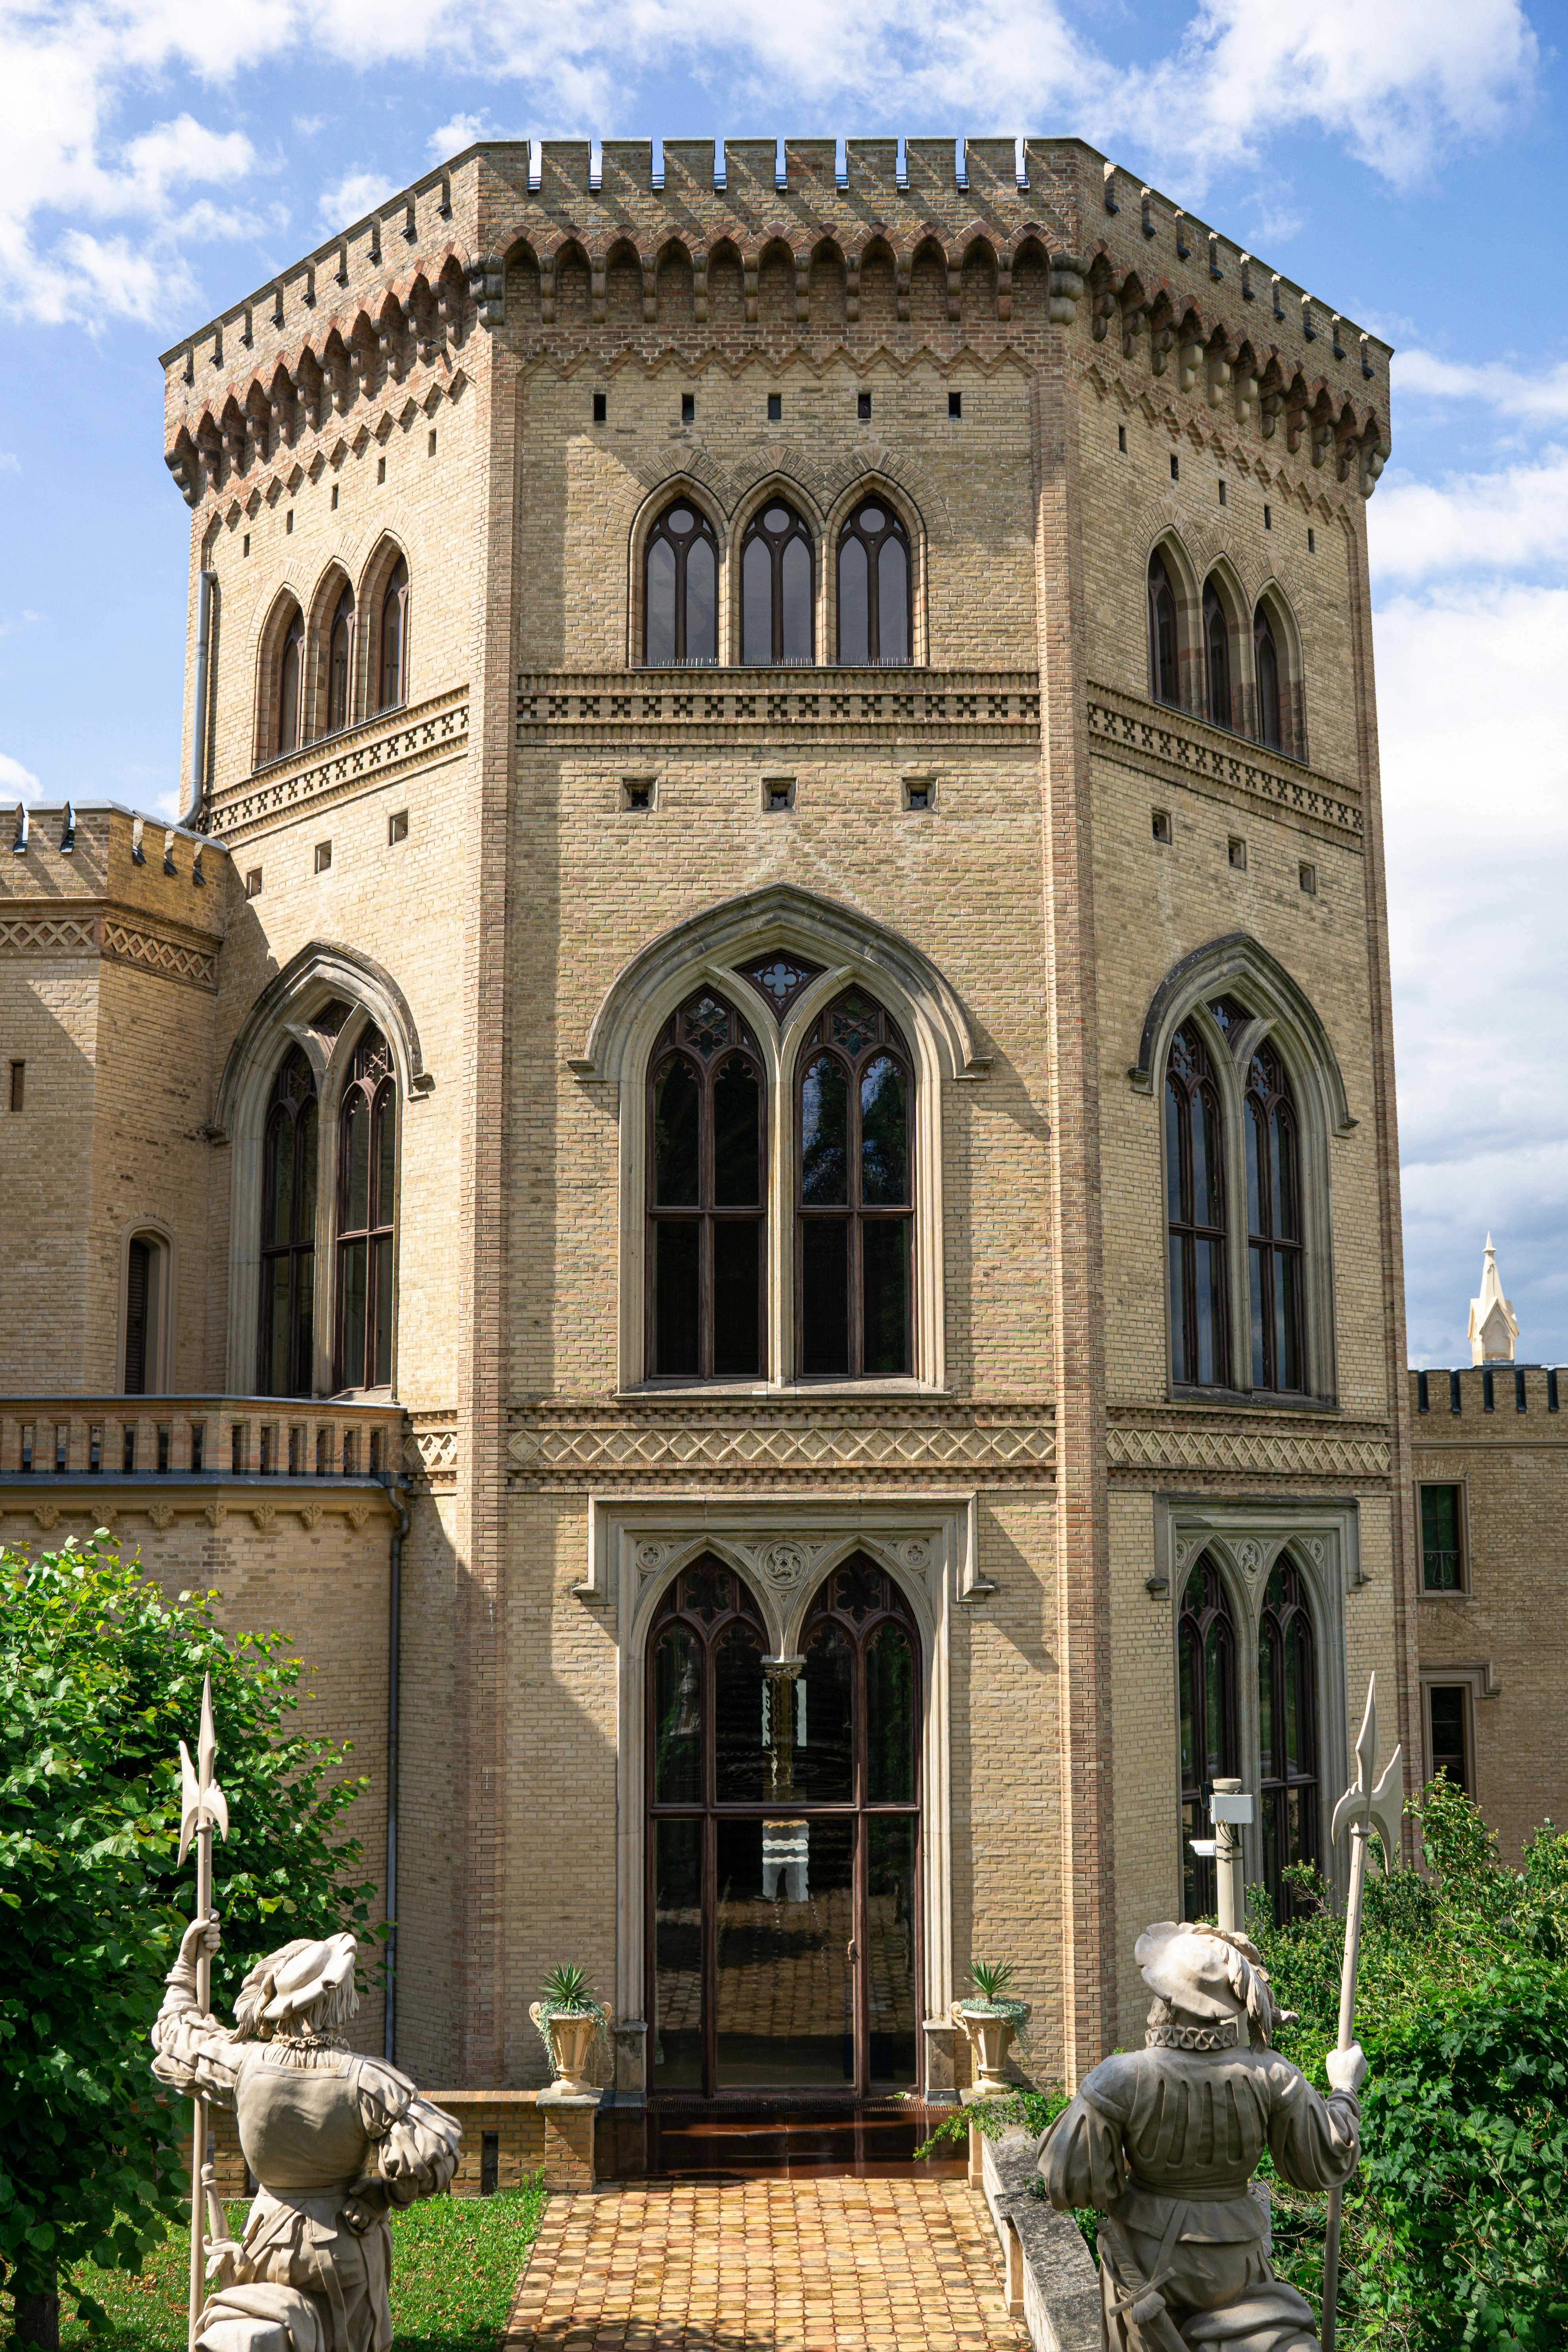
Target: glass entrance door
[784,1842]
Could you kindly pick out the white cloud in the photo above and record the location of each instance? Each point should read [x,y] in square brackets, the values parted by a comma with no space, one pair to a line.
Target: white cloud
[1510,521]
[356,193]
[9,462]
[462,131]
[1516,392]
[1400,84]
[15,778]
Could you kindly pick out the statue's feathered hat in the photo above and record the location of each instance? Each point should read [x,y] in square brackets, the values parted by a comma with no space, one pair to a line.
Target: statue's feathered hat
[291,1980]
[1210,1973]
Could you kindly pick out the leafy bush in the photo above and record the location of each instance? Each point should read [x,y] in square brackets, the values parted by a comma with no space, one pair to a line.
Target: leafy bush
[99,1679]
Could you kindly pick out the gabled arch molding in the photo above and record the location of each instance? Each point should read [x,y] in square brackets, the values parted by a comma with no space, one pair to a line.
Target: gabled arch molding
[1238,956]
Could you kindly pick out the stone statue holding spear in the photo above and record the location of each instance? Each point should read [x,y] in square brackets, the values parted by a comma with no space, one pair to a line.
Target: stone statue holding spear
[1165,2140]
[333,2139]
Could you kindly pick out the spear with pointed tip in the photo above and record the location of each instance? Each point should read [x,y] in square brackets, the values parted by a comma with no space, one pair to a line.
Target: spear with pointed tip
[202,1807]
[1360,1809]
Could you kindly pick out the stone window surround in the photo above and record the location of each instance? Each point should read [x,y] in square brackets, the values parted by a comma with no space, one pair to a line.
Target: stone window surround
[782,1545]
[1243,1539]
[1476,1679]
[705,952]
[1463,1590]
[161,1371]
[1238,965]
[823,523]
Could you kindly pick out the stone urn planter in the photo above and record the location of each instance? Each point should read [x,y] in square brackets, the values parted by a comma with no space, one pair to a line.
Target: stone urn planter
[569,2035]
[990,2029]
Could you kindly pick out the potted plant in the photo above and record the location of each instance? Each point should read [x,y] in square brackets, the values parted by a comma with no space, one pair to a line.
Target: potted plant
[569,2022]
[989,2018]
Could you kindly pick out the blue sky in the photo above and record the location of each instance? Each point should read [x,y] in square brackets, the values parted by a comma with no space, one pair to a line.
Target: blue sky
[1404,159]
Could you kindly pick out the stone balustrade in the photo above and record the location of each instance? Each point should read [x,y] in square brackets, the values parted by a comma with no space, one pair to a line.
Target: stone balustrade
[185,1437]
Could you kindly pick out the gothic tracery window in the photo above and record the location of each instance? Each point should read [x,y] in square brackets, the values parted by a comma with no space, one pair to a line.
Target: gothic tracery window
[680,605]
[856,1205]
[1273,1225]
[1165,665]
[367,1197]
[778,588]
[1210,1739]
[1194,1210]
[288,1231]
[1287,1734]
[873,586]
[707,1196]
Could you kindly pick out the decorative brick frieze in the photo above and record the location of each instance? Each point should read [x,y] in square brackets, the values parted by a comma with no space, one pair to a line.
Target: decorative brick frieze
[894,1440]
[772,707]
[1271,1452]
[47,935]
[117,939]
[1178,742]
[430,1450]
[123,942]
[393,743]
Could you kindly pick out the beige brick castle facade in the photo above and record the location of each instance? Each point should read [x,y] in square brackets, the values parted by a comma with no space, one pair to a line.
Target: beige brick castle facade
[762,1083]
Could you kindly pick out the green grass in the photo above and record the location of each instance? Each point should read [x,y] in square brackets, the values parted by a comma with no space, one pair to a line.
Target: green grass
[455,2262]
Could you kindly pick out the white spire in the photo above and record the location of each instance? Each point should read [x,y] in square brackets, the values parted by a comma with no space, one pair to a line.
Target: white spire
[1493,1331]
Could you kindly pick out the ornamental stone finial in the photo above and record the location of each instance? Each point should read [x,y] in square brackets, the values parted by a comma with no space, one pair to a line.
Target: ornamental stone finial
[1494,1333]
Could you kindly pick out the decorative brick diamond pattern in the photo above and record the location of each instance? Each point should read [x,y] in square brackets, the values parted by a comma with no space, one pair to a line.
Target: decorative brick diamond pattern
[171,959]
[766,2266]
[1272,1453]
[543,1444]
[45,935]
[385,746]
[1183,743]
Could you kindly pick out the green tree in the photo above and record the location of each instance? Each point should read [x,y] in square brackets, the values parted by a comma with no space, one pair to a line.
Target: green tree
[101,1678]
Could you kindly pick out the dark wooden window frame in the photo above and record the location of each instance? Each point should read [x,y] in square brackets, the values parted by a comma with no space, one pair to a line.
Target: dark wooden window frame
[339,705]
[873,544]
[395,598]
[889,1040]
[291,649]
[1164,634]
[1180,1222]
[1272,699]
[286,1121]
[708,1631]
[776,542]
[681,543]
[1267,1098]
[1193,1628]
[1462,1528]
[371,1078]
[1470,1684]
[1216,658]
[673,1046]
[1275,1789]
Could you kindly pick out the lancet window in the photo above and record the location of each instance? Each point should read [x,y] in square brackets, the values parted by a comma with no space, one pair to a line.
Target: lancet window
[1287,1736]
[1195,1214]
[777,589]
[874,613]
[707,1196]
[1210,1735]
[393,678]
[290,684]
[288,1231]
[1266,668]
[1164,658]
[680,606]
[855,1197]
[1216,656]
[367,1199]
[1274,1225]
[341,664]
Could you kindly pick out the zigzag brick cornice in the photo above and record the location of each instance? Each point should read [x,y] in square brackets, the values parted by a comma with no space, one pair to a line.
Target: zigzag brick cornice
[779,707]
[1358,1452]
[883,1441]
[1146,736]
[115,936]
[392,744]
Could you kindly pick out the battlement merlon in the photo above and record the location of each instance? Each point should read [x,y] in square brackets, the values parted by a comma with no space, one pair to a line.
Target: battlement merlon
[400,290]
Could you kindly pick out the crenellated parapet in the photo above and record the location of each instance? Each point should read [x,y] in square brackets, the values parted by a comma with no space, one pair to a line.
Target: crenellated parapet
[724,258]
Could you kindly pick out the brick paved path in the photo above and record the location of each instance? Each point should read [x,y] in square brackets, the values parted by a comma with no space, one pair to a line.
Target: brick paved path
[830,2265]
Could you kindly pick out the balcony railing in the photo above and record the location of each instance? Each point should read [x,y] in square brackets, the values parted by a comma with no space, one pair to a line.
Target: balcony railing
[198,1437]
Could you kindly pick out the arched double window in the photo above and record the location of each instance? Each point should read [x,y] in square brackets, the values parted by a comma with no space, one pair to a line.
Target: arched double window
[856,1194]
[393,680]
[291,683]
[1266,670]
[777,589]
[784,1804]
[1287,1734]
[1273,1224]
[288,1231]
[367,1199]
[1210,1738]
[874,610]
[1165,647]
[1195,1218]
[341,664]
[707,1196]
[681,603]
[1216,656]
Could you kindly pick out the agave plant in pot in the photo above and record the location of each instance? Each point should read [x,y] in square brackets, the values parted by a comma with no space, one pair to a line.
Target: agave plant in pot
[990,2017]
[569,2022]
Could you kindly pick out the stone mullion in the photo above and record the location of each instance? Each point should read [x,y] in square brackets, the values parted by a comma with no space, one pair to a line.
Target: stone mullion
[1403,1545]
[1082,1564]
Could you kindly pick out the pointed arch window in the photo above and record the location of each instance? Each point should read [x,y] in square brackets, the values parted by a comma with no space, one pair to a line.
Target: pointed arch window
[288,1231]
[777,589]
[855,1219]
[1194,1209]
[707,1196]
[873,586]
[1216,656]
[367,1199]
[1265,664]
[681,603]
[1164,664]
[1287,1735]
[393,683]
[291,683]
[341,664]
[1210,1738]
[1273,1225]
